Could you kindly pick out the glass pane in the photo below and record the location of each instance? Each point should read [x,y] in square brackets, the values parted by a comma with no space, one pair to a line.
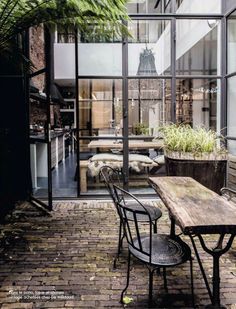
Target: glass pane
[231,108]
[231,42]
[145,162]
[38,106]
[149,105]
[231,146]
[197,47]
[37,47]
[65,34]
[149,49]
[198,102]
[164,6]
[229,4]
[38,142]
[198,6]
[64,64]
[141,6]
[93,155]
[100,107]
[99,59]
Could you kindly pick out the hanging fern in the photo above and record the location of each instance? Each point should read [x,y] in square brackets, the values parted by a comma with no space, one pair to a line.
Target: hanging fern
[106,16]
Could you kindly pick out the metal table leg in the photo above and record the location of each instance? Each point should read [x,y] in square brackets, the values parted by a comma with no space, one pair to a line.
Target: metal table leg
[216,254]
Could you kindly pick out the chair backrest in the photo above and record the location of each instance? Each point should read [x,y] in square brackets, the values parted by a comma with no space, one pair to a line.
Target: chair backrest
[111,177]
[133,228]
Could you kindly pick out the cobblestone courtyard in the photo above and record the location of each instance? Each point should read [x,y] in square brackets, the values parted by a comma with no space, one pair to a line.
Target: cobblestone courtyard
[65,261]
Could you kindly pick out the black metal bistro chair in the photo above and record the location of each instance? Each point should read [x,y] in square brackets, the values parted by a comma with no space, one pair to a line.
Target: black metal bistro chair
[113,176]
[156,251]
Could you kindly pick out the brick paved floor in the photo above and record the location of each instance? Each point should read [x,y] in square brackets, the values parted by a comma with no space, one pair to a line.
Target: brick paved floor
[65,261]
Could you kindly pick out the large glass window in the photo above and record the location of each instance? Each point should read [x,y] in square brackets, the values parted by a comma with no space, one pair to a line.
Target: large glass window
[149,105]
[140,7]
[198,47]
[154,94]
[231,130]
[149,49]
[197,102]
[100,107]
[99,59]
[198,6]
[231,43]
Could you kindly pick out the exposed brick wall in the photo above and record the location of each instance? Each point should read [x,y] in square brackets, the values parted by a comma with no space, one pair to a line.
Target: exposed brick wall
[37,55]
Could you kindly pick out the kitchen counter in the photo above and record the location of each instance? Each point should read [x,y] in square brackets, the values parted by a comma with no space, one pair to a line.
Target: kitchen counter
[40,137]
[39,154]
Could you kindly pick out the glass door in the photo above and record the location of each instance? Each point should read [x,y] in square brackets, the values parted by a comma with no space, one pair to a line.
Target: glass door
[40,142]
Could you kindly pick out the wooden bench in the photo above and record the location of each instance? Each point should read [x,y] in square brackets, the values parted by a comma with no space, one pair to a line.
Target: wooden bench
[83,175]
[84,168]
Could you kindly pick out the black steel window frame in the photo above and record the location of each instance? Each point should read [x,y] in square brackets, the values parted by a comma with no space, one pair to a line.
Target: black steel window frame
[173,77]
[227,76]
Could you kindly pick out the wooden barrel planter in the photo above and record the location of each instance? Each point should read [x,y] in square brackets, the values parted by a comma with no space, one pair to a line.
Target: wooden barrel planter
[209,170]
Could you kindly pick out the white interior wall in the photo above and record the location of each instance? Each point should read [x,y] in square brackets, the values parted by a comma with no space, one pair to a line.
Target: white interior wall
[106,59]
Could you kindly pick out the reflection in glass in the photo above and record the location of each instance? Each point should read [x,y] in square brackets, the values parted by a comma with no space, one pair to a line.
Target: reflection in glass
[231,108]
[100,107]
[141,6]
[65,34]
[197,102]
[198,6]
[37,106]
[38,144]
[231,42]
[149,105]
[151,41]
[197,47]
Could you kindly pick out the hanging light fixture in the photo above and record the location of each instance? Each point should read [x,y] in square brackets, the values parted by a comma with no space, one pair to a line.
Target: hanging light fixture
[147,63]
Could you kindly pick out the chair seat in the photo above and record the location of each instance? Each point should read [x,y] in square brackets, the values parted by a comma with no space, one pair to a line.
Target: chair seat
[166,251]
[154,212]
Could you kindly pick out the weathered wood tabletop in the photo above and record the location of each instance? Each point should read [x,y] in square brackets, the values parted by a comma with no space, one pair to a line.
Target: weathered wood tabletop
[133,144]
[196,209]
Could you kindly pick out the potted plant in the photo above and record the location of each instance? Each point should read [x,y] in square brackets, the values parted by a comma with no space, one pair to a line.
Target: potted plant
[141,129]
[197,153]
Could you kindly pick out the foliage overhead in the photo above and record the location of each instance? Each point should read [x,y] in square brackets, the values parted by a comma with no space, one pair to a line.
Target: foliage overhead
[183,138]
[19,15]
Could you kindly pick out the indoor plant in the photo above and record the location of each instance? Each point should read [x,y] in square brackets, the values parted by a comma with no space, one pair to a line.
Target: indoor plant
[197,153]
[141,128]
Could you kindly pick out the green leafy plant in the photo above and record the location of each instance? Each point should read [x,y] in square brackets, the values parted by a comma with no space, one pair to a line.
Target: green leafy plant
[141,129]
[16,16]
[183,138]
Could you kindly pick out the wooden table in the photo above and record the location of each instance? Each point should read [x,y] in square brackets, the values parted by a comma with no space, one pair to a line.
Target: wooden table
[198,211]
[133,144]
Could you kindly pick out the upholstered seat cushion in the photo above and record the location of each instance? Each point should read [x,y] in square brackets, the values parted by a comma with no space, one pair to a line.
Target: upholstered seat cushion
[136,162]
[160,160]
[106,157]
[116,157]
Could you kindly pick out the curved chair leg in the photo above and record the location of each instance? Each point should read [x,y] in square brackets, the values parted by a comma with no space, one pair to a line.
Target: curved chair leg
[165,280]
[155,227]
[127,280]
[192,287]
[120,241]
[150,286]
